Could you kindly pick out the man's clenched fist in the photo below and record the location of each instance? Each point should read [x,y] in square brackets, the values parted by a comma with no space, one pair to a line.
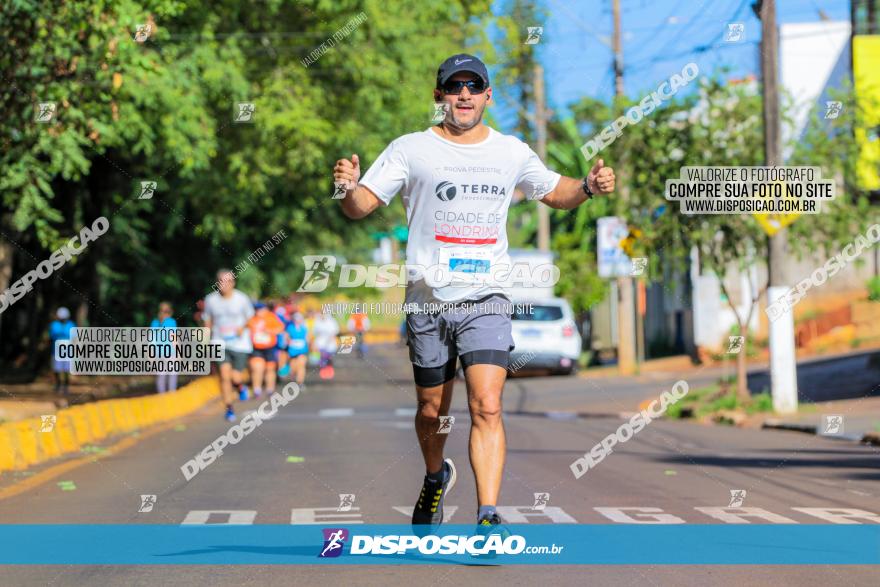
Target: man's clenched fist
[601,178]
[347,172]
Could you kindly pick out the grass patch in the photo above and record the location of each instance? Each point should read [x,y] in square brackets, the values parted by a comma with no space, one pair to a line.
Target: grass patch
[717,398]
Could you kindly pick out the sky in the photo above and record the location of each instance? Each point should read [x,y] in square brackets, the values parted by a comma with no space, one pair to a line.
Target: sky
[659,38]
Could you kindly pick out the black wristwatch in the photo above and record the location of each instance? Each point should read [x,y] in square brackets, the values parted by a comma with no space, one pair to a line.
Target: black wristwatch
[586,188]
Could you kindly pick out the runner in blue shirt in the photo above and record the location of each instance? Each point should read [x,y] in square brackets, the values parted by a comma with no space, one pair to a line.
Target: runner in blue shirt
[166,381]
[60,329]
[298,347]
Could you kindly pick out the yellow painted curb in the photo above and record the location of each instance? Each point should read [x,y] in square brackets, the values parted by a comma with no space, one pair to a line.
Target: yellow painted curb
[23,444]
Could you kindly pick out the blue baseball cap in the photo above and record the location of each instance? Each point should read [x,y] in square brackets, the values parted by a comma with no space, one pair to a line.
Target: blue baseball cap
[462,62]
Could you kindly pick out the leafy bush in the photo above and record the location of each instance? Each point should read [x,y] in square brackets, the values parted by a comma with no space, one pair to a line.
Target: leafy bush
[874,289]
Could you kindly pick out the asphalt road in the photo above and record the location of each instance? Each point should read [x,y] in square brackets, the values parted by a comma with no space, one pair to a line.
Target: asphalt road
[354,436]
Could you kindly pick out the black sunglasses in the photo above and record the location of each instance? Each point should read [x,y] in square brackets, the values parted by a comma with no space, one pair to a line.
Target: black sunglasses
[474,86]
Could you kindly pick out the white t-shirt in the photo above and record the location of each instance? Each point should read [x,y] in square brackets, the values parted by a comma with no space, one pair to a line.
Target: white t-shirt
[325,330]
[456,198]
[227,315]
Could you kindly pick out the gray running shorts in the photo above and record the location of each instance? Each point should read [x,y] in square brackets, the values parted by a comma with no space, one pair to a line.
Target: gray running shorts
[436,338]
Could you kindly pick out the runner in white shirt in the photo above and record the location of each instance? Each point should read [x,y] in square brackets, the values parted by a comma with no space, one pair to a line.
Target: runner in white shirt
[226,313]
[456,181]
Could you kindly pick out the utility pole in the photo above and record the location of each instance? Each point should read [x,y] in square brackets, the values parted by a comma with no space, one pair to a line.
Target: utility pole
[541,136]
[626,353]
[783,362]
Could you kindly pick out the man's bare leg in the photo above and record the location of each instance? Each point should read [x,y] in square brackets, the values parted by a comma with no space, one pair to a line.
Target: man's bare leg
[226,383]
[258,368]
[487,443]
[433,402]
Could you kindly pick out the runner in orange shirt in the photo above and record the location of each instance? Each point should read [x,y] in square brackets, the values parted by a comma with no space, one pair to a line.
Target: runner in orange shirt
[359,324]
[265,326]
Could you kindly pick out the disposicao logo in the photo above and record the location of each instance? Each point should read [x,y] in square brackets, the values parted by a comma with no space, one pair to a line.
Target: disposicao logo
[334,540]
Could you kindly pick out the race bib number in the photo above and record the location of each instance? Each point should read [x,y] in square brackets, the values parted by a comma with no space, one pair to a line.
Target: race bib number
[228,332]
[466,264]
[263,338]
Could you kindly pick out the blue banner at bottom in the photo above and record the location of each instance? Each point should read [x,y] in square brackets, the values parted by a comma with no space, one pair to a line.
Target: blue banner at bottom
[541,544]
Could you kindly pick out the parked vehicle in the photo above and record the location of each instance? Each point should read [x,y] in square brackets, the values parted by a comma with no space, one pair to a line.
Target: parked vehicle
[545,336]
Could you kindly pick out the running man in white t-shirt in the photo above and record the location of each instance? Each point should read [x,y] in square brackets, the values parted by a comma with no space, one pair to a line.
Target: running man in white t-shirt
[456,181]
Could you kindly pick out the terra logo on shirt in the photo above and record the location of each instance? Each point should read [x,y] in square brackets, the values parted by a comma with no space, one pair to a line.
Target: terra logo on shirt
[447,191]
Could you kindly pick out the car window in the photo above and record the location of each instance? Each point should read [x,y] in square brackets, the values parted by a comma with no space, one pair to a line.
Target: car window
[537,313]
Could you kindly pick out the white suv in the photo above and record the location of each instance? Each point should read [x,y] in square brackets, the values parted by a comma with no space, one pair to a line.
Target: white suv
[545,336]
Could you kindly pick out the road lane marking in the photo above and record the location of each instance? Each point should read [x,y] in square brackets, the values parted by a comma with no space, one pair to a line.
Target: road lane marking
[640,515]
[739,515]
[233,517]
[325,516]
[840,515]
[335,413]
[525,514]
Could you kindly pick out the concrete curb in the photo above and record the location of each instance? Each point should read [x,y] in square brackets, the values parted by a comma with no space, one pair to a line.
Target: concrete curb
[793,426]
[381,337]
[872,438]
[22,444]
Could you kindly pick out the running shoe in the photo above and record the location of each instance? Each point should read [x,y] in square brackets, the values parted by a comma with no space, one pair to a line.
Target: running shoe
[230,415]
[284,371]
[257,392]
[243,393]
[488,525]
[429,508]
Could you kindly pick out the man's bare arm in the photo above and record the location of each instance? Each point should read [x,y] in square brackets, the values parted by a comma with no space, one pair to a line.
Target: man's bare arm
[569,192]
[359,202]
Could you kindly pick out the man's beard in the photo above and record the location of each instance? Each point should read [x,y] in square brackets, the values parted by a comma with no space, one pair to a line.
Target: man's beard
[451,121]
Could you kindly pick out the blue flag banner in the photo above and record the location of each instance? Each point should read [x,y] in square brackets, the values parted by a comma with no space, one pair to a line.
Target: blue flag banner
[359,544]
